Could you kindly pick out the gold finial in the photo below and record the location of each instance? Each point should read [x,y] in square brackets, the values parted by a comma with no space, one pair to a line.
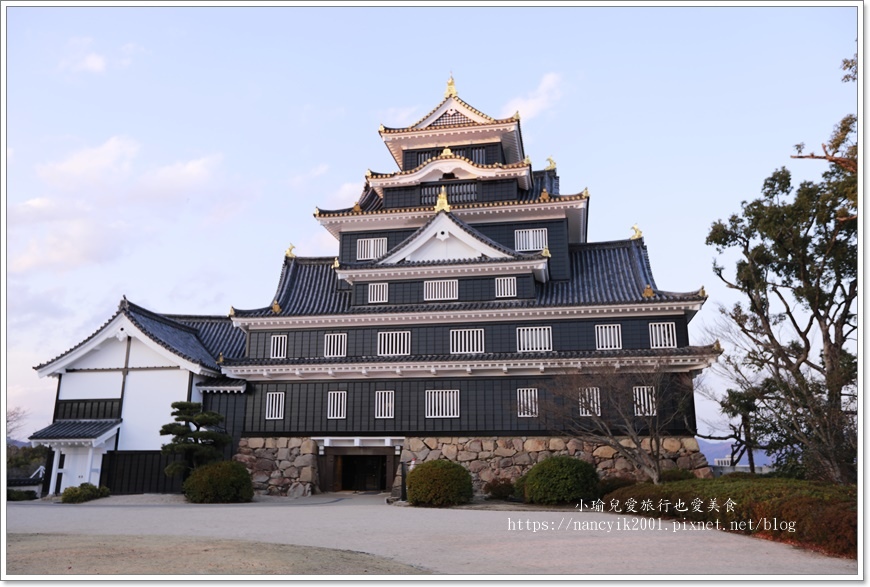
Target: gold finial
[356,207]
[702,292]
[545,196]
[289,252]
[381,128]
[368,172]
[232,311]
[447,152]
[517,115]
[442,205]
[527,161]
[648,291]
[335,264]
[546,253]
[551,165]
[717,347]
[637,233]
[275,307]
[316,211]
[220,358]
[585,192]
[451,87]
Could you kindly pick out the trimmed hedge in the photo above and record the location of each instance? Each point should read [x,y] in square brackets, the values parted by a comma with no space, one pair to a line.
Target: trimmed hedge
[221,482]
[807,513]
[499,488]
[560,479]
[19,495]
[438,484]
[82,493]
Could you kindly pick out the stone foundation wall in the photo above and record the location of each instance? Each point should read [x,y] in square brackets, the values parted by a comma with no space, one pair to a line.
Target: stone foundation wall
[280,466]
[511,457]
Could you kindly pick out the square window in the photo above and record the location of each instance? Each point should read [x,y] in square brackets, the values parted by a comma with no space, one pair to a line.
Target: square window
[335,344]
[279,346]
[394,343]
[384,404]
[467,341]
[370,248]
[505,287]
[644,400]
[662,335]
[590,401]
[443,289]
[275,405]
[442,403]
[527,402]
[608,337]
[336,405]
[532,339]
[379,293]
[530,239]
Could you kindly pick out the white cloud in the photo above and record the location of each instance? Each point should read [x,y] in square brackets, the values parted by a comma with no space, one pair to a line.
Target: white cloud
[80,57]
[92,165]
[543,97]
[69,244]
[399,117]
[183,176]
[302,179]
[38,210]
[343,197]
[128,51]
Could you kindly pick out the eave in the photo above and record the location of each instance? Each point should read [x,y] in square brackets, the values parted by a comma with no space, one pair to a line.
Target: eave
[464,169]
[537,267]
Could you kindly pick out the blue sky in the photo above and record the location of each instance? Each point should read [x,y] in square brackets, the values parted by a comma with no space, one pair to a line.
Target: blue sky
[172,154]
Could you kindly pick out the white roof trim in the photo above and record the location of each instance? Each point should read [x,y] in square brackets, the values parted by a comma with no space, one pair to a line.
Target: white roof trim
[448,104]
[463,169]
[536,266]
[94,442]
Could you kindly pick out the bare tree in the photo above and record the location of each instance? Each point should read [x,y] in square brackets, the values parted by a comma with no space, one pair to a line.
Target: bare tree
[15,418]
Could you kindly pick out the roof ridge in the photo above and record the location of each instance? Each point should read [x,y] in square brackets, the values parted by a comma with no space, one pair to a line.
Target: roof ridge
[129,307]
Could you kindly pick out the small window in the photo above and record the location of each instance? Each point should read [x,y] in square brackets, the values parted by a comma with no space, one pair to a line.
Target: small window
[590,401]
[662,335]
[370,248]
[335,344]
[505,287]
[527,402]
[644,400]
[530,239]
[394,343]
[336,405]
[442,403]
[275,405]
[384,404]
[466,341]
[533,339]
[379,293]
[279,346]
[608,337]
[444,289]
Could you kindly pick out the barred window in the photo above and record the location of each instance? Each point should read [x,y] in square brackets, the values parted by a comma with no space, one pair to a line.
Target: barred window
[644,400]
[590,401]
[335,344]
[662,335]
[442,403]
[384,404]
[505,287]
[275,405]
[527,402]
[608,337]
[379,293]
[466,340]
[336,408]
[394,343]
[279,346]
[530,239]
[444,289]
[531,339]
[370,248]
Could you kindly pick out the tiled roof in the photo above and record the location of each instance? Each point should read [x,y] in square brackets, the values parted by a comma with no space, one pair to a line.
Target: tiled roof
[517,165]
[222,383]
[615,272]
[74,429]
[490,120]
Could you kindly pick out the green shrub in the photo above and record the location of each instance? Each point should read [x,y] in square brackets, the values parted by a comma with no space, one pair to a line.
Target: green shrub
[672,475]
[19,495]
[520,488]
[609,484]
[82,493]
[499,488]
[561,479]
[439,483]
[221,482]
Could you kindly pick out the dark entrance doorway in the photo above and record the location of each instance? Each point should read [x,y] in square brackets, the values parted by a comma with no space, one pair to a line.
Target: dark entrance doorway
[362,472]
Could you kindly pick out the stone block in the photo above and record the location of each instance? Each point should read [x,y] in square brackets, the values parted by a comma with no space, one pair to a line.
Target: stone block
[517,443]
[557,444]
[281,442]
[465,456]
[260,477]
[604,452]
[486,475]
[271,443]
[489,445]
[699,461]
[505,463]
[505,452]
[685,463]
[703,473]
[484,454]
[449,451]
[628,442]
[423,453]
[294,442]
[522,458]
[475,466]
[306,475]
[276,474]
[622,465]
[446,440]
[406,456]
[414,444]
[243,442]
[284,465]
[690,444]
[431,442]
[671,444]
[256,442]
[606,464]
[667,464]
[264,465]
[535,445]
[543,455]
[433,455]
[283,454]
[291,473]
[474,446]
[574,446]
[309,447]
[296,490]
[305,461]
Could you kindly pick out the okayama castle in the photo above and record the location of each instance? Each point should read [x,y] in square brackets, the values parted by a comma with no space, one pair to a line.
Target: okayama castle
[465,303]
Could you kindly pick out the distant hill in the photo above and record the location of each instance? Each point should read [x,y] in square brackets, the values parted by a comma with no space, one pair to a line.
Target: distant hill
[18,443]
[722,450]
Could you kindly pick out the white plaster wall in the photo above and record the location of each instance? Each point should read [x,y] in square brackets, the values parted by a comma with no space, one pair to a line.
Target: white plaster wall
[75,466]
[196,394]
[147,400]
[110,354]
[91,385]
[142,356]
[436,250]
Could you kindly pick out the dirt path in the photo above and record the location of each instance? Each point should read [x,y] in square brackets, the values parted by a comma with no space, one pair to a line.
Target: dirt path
[75,554]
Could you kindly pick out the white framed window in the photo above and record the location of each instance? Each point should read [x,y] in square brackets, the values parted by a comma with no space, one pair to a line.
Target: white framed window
[370,248]
[336,405]
[394,343]
[335,344]
[527,402]
[384,404]
[443,289]
[442,403]
[466,340]
[275,405]
[279,346]
[379,293]
[530,239]
[662,335]
[505,287]
[534,339]
[590,401]
[608,337]
[644,400]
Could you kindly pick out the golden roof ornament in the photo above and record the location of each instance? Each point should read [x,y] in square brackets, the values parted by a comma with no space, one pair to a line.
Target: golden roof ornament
[451,88]
[336,264]
[585,192]
[356,207]
[546,253]
[527,161]
[289,252]
[381,128]
[220,358]
[545,196]
[316,211]
[517,115]
[276,309]
[442,205]
[637,233]
[648,291]
[447,152]
[232,311]
[551,164]
[717,347]
[702,292]
[368,172]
